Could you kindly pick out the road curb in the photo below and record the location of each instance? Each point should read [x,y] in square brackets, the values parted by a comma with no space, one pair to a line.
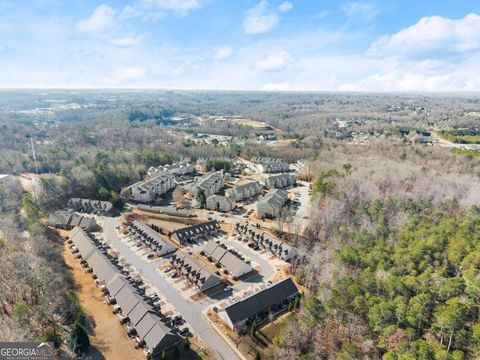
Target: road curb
[222,335]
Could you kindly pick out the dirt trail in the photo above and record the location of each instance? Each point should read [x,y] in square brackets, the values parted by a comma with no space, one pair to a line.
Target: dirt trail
[109,341]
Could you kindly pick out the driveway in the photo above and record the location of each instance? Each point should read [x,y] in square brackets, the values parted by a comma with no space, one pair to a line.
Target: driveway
[190,310]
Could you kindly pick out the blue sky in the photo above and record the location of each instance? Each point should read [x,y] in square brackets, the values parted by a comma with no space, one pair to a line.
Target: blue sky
[390,45]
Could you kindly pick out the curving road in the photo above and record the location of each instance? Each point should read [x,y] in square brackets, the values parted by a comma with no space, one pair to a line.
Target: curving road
[190,310]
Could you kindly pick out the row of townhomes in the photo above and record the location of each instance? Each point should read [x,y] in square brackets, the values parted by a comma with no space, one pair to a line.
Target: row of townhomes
[193,270]
[180,168]
[150,189]
[267,241]
[67,220]
[156,241]
[195,232]
[219,203]
[227,259]
[159,181]
[209,184]
[272,203]
[244,191]
[90,206]
[272,299]
[143,320]
[270,165]
[279,181]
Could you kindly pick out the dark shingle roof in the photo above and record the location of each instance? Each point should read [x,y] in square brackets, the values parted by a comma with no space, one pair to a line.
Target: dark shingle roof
[261,300]
[195,230]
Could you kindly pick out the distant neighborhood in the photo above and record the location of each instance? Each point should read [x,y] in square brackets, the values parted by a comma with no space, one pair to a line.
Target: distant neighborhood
[195,250]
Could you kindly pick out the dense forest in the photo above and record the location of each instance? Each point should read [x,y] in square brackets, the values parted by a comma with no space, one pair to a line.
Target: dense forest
[394,257]
[392,249]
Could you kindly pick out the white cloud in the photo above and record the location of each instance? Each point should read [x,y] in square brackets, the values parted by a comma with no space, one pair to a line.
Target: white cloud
[360,11]
[282,86]
[276,61]
[286,6]
[102,19]
[223,53]
[181,6]
[260,19]
[127,74]
[156,9]
[431,36]
[320,15]
[127,41]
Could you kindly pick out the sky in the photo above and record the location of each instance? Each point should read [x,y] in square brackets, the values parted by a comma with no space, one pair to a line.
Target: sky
[270,45]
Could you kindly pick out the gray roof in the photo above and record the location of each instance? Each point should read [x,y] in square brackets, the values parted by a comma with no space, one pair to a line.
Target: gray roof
[242,188]
[102,267]
[209,247]
[207,181]
[261,160]
[146,324]
[197,272]
[278,247]
[261,301]
[70,220]
[188,232]
[83,243]
[116,284]
[230,261]
[128,298]
[234,264]
[166,247]
[138,312]
[156,335]
[275,198]
[160,337]
[89,205]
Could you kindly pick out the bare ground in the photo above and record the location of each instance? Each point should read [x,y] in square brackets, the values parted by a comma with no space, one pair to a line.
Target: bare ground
[109,340]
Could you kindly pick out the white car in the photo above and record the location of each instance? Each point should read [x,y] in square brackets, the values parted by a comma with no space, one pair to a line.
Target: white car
[228,288]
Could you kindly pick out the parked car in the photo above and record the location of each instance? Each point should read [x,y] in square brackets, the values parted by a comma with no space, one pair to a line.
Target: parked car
[184,332]
[227,288]
[168,269]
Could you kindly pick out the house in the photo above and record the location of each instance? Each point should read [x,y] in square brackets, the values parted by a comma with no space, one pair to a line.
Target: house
[196,273]
[279,181]
[267,241]
[271,204]
[180,168]
[90,206]
[194,232]
[227,259]
[219,203]
[245,191]
[270,165]
[272,299]
[152,333]
[156,241]
[146,191]
[209,184]
[67,220]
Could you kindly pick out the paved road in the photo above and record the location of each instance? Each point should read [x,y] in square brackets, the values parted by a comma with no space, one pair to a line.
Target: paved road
[304,199]
[190,310]
[267,272]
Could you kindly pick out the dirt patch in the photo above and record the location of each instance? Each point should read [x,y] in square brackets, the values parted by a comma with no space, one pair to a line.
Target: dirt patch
[185,288]
[109,340]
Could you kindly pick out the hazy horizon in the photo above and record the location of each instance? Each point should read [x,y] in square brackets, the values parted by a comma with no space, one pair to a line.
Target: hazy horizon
[255,45]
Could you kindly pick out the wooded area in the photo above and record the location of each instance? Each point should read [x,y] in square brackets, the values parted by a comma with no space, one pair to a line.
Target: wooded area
[392,246]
